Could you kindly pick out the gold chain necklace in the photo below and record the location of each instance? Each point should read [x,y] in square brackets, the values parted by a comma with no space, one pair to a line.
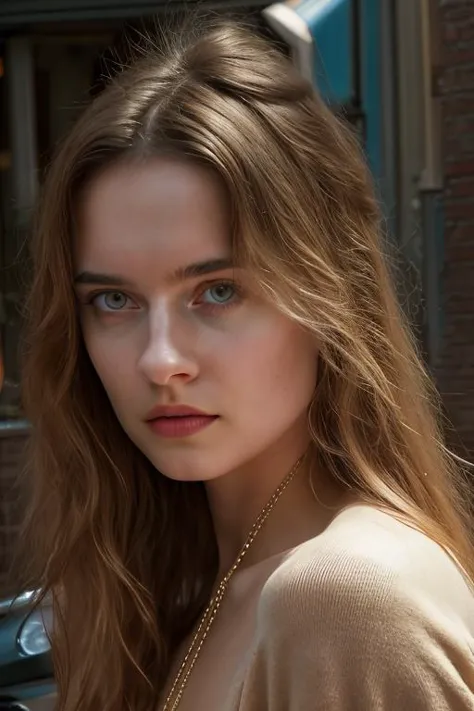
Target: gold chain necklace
[191,656]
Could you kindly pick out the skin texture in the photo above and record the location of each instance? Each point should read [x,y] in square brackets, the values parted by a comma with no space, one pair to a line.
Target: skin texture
[212,341]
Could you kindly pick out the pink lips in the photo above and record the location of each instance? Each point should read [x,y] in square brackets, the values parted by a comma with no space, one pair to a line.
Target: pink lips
[178,420]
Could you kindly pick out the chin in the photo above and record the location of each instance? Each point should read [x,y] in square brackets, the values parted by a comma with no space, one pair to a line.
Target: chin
[178,474]
[180,467]
[187,460]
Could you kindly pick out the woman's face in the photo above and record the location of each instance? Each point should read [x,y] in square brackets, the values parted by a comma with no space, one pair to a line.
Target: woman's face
[202,371]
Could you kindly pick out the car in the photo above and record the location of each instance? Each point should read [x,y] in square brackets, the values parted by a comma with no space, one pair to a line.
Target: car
[26,669]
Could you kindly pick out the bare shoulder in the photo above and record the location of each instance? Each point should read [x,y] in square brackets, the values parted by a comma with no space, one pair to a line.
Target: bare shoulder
[368,571]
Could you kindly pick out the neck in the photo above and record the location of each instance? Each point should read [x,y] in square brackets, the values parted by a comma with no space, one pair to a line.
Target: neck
[237,498]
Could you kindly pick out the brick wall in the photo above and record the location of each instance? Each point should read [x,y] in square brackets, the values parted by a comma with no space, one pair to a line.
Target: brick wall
[11,458]
[456,87]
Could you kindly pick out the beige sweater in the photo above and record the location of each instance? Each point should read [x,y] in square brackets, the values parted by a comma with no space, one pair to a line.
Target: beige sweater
[369,616]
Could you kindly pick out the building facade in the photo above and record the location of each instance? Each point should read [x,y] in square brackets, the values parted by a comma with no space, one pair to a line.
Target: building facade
[454,83]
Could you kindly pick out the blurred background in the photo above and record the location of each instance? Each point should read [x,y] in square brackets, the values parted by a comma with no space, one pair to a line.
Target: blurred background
[402,71]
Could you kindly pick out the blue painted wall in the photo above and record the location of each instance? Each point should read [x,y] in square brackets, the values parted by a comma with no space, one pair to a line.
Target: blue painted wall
[371,82]
[330,23]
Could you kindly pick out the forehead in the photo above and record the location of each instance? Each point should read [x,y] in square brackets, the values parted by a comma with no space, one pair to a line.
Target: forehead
[137,216]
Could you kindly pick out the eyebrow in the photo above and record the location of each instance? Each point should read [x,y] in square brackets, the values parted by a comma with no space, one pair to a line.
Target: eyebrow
[191,271]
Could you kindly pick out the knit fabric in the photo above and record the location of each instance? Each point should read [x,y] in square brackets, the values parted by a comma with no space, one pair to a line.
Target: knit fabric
[371,615]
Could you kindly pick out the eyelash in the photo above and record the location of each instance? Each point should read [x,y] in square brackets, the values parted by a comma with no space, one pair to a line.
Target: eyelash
[236,298]
[202,289]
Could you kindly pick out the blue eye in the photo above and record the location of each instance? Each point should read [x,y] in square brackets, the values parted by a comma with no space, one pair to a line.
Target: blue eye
[221,293]
[111,301]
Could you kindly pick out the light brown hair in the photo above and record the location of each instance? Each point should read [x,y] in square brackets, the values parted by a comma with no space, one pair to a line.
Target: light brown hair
[130,554]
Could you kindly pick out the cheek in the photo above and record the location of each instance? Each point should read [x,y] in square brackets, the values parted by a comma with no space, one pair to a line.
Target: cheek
[276,363]
[112,364]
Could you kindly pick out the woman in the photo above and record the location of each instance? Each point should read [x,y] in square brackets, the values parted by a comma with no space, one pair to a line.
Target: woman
[241,499]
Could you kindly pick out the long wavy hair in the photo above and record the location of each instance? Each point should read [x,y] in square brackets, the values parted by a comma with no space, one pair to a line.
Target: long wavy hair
[129,555]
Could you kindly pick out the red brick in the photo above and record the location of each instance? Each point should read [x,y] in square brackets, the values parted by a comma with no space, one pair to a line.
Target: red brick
[455,85]
[460,235]
[459,167]
[450,33]
[459,55]
[461,253]
[460,188]
[466,33]
[459,209]
[460,15]
[459,106]
[458,78]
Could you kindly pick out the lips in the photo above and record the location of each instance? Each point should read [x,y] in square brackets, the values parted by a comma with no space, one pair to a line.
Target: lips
[178,420]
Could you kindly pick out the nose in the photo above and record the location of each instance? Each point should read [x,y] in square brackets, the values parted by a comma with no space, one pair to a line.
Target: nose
[167,355]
